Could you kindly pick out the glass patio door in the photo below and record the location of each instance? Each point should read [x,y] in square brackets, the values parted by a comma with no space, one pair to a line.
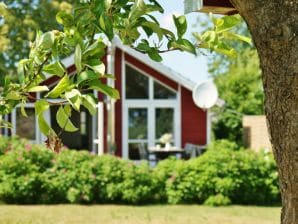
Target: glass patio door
[144,125]
[137,130]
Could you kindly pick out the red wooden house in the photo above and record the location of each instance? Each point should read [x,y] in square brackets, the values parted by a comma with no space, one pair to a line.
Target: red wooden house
[154,100]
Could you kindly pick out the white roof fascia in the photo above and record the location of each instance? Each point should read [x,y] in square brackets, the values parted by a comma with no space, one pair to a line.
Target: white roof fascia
[159,67]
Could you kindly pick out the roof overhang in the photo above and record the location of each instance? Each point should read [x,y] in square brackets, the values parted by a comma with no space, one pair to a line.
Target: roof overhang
[223,7]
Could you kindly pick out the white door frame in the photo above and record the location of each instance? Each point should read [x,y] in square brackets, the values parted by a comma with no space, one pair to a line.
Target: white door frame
[151,104]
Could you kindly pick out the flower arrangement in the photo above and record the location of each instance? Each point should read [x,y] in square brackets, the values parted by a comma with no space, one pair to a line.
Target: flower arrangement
[166,138]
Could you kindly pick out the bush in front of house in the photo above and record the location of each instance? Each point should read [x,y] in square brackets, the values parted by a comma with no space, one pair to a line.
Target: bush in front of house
[31,174]
[15,143]
[243,177]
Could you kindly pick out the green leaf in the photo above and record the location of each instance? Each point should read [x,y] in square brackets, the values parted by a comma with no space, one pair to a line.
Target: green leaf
[89,102]
[168,33]
[106,25]
[144,46]
[234,36]
[46,40]
[22,69]
[74,98]
[97,85]
[55,68]
[23,111]
[63,120]
[86,75]
[41,106]
[184,45]
[59,88]
[78,58]
[155,28]
[38,89]
[97,66]
[181,25]
[227,51]
[13,95]
[97,49]
[64,18]
[43,125]
[154,55]
[226,23]
[5,124]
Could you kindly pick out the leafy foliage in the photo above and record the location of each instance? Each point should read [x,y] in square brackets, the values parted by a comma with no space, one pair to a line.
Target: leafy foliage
[19,21]
[33,174]
[85,31]
[241,88]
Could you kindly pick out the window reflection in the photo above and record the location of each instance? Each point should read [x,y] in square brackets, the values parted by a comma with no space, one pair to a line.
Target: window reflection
[137,124]
[25,126]
[162,92]
[164,121]
[137,84]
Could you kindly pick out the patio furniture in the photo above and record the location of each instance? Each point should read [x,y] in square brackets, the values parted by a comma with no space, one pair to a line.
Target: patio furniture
[143,151]
[158,153]
[192,150]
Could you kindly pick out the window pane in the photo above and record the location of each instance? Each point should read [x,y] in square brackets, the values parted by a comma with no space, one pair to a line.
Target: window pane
[137,85]
[164,121]
[25,126]
[137,151]
[137,123]
[162,92]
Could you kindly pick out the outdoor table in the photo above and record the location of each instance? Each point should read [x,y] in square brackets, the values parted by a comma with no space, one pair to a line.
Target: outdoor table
[157,153]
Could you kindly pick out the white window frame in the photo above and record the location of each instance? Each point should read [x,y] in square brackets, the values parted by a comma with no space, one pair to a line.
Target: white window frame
[39,137]
[151,104]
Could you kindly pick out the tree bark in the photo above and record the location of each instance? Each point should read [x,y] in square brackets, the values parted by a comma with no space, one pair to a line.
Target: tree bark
[274,28]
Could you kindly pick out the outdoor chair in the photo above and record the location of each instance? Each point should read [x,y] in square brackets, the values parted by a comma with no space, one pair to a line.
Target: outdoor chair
[143,152]
[192,150]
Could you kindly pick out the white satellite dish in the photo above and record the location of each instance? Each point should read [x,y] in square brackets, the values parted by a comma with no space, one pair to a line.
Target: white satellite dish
[205,94]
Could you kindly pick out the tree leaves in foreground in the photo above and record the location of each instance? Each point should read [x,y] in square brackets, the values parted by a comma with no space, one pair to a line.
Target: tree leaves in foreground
[19,21]
[86,32]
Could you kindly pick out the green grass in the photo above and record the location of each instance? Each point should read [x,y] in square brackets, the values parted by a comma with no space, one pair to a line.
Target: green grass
[103,214]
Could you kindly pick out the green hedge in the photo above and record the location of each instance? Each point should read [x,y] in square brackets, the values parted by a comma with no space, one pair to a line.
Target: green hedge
[31,174]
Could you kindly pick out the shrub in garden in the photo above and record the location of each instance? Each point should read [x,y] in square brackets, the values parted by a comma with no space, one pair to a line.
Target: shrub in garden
[21,174]
[15,143]
[31,174]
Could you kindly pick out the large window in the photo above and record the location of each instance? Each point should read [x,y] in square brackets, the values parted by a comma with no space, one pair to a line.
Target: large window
[137,85]
[137,130]
[150,110]
[161,92]
[25,126]
[164,122]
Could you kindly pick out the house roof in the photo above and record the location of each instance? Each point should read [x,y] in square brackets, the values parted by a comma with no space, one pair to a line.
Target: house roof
[159,67]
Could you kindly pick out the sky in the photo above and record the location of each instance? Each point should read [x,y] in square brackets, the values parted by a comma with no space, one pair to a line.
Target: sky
[192,67]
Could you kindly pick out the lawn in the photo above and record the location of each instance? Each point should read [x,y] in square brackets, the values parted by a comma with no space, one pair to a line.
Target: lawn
[102,214]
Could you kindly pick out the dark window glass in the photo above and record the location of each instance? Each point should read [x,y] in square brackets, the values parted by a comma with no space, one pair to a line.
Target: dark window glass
[25,126]
[164,121]
[162,92]
[137,84]
[137,151]
[137,123]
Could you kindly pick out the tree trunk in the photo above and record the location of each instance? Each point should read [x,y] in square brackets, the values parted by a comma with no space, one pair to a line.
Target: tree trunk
[274,28]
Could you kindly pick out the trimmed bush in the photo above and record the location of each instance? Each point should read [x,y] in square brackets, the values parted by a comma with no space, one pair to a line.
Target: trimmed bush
[31,174]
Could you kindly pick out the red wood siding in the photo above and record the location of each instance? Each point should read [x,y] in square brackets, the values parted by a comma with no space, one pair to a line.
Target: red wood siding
[118,105]
[150,71]
[193,121]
